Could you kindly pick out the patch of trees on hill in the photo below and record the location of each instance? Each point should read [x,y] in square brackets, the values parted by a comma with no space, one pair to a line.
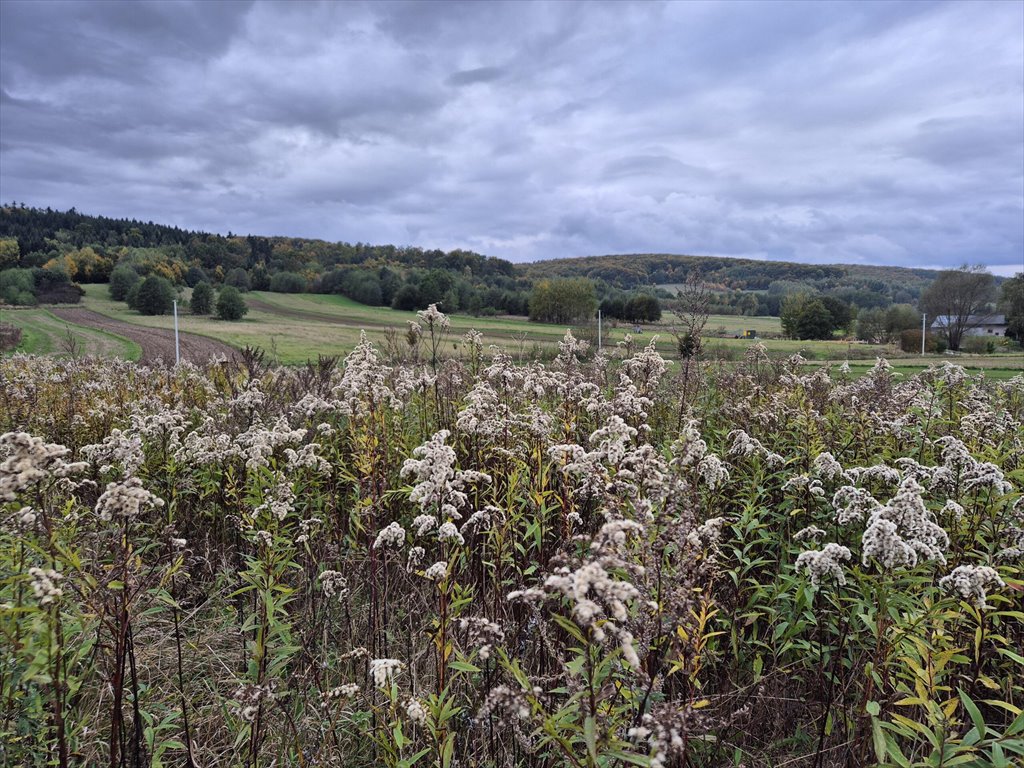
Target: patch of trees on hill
[739,283]
[88,248]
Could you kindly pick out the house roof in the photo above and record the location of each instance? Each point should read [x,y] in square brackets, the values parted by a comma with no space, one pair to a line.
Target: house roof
[943,321]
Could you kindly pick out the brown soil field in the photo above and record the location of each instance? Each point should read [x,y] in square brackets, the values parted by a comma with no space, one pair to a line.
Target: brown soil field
[156,343]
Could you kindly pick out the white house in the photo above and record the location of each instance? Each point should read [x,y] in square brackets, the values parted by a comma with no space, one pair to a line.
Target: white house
[976,325]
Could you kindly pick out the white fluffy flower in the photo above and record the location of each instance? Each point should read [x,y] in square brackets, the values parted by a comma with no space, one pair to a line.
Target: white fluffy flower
[448,532]
[437,571]
[971,582]
[44,585]
[415,712]
[391,537]
[903,531]
[383,670]
[824,563]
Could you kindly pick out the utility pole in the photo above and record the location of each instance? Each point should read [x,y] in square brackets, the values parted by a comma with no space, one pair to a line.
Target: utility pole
[923,331]
[177,346]
[599,330]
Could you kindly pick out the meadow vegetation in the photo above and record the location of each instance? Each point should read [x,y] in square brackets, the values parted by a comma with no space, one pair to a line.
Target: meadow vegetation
[427,555]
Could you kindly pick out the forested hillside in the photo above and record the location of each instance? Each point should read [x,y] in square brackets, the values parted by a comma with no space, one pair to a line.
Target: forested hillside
[861,285]
[87,248]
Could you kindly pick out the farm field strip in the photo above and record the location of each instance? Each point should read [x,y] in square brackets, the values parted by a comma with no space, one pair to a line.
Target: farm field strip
[155,344]
[45,332]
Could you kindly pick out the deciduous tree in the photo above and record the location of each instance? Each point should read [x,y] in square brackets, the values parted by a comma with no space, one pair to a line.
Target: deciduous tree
[230,304]
[202,299]
[957,299]
[1011,303]
[155,296]
[121,281]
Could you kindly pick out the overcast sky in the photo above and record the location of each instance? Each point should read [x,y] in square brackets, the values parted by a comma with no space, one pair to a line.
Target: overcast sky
[865,132]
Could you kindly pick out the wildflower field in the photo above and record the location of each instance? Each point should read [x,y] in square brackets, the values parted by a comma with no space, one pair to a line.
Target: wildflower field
[436,560]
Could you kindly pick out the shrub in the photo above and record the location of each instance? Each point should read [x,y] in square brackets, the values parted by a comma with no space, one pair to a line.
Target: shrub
[17,287]
[408,298]
[230,304]
[195,276]
[910,341]
[132,297]
[979,345]
[806,317]
[563,301]
[10,337]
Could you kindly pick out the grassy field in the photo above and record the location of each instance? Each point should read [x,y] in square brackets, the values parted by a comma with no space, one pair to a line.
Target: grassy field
[45,334]
[1000,368]
[294,328]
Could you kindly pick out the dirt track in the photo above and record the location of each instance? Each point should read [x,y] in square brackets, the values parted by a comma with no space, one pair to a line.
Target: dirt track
[156,343]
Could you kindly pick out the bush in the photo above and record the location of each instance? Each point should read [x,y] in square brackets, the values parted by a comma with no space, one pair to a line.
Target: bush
[806,317]
[230,304]
[288,282]
[363,286]
[17,286]
[978,345]
[155,296]
[10,337]
[202,299]
[121,281]
[642,308]
[132,297]
[910,341]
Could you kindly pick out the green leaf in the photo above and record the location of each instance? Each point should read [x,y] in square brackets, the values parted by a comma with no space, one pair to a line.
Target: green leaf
[408,762]
[628,757]
[878,739]
[974,712]
[998,757]
[590,737]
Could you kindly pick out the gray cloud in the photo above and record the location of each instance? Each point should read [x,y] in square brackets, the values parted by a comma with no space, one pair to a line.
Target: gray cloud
[478,75]
[825,132]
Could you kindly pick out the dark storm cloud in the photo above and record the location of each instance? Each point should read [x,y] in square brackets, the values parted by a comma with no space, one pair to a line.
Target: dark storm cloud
[866,132]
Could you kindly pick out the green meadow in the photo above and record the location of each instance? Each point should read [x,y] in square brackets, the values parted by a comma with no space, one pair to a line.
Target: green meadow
[294,328]
[42,333]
